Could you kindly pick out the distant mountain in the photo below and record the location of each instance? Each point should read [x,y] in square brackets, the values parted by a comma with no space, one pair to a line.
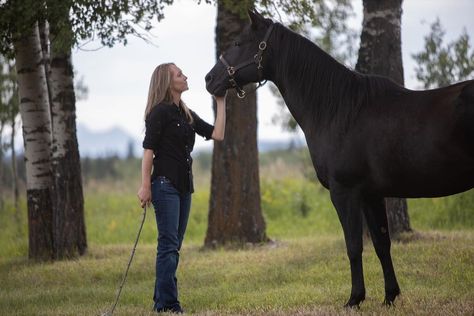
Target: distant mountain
[114,141]
[265,145]
[117,142]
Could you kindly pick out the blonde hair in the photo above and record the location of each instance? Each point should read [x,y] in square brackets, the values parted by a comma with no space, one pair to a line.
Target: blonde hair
[160,90]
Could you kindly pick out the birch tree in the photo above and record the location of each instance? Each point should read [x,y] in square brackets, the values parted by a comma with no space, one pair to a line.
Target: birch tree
[34,110]
[69,228]
[59,198]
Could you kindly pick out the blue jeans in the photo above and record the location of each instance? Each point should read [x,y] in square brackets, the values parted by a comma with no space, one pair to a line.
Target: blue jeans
[172,212]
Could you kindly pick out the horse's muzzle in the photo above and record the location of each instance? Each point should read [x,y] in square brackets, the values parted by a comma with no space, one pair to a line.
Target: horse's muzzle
[208,78]
[212,87]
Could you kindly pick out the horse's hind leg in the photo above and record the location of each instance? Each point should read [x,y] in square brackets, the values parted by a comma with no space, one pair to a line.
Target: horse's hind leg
[376,217]
[348,207]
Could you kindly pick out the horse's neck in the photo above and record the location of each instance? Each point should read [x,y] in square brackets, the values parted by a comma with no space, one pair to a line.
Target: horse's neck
[307,80]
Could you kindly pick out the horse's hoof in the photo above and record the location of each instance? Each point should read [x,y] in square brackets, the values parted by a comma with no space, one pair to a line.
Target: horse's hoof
[388,303]
[390,297]
[348,305]
[354,301]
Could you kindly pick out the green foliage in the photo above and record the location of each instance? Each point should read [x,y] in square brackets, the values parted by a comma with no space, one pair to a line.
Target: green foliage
[440,65]
[79,20]
[326,23]
[297,208]
[14,228]
[321,14]
[9,103]
[101,168]
[6,177]
[17,17]
[112,21]
[9,108]
[455,212]
[332,32]
[297,14]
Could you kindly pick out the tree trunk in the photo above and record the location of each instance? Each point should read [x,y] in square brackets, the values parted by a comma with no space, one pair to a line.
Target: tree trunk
[16,194]
[69,231]
[235,214]
[12,115]
[381,53]
[34,111]
[45,50]
[2,202]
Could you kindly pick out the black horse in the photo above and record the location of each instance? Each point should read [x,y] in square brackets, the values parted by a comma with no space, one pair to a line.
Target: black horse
[368,137]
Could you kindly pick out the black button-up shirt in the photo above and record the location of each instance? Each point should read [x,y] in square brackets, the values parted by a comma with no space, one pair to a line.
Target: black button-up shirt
[171,137]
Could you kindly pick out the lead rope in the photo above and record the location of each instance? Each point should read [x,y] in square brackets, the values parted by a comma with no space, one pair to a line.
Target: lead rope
[111,311]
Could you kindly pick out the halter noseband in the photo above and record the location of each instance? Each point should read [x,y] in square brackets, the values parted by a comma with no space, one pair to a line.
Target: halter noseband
[257,59]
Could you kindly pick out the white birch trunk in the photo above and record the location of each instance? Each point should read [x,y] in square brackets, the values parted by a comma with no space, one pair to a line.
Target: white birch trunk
[35,114]
[68,219]
[62,93]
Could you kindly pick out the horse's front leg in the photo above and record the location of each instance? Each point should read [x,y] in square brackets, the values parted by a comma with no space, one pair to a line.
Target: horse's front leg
[348,206]
[377,223]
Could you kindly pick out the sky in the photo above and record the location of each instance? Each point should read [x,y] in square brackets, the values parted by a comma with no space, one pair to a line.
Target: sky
[118,77]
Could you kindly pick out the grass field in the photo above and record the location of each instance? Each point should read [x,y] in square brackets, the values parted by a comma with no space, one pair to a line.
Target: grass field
[304,276]
[303,271]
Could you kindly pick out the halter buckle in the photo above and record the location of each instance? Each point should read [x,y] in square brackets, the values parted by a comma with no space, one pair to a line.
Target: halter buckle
[240,93]
[262,45]
[231,70]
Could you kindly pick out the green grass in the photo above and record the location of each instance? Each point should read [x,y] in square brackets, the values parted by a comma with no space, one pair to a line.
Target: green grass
[303,276]
[304,271]
[449,213]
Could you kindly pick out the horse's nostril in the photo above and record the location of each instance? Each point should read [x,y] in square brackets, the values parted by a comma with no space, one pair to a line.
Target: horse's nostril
[208,78]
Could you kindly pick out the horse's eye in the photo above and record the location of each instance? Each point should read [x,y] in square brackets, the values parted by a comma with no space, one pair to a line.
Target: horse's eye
[236,43]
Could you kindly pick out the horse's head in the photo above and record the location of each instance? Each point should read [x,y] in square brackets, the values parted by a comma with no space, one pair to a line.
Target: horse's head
[244,61]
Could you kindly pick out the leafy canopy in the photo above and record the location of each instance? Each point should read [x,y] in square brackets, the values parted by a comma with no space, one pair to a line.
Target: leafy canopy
[325,22]
[439,64]
[109,21]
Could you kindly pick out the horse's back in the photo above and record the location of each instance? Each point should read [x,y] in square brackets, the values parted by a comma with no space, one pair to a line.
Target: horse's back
[439,158]
[466,110]
[414,143]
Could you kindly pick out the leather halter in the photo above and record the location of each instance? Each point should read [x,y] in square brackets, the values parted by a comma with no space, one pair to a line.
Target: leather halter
[257,59]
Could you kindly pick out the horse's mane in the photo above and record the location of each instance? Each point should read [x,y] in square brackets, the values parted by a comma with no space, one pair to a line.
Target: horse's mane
[326,88]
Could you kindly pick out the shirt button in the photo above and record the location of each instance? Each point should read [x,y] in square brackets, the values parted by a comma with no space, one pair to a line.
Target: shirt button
[177,124]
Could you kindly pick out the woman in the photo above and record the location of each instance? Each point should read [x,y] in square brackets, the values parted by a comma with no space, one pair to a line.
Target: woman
[169,140]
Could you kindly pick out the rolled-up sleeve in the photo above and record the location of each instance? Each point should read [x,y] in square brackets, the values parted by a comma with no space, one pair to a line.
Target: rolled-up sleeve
[153,128]
[201,127]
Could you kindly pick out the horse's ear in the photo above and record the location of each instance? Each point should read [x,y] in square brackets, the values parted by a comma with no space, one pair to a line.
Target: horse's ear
[255,17]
